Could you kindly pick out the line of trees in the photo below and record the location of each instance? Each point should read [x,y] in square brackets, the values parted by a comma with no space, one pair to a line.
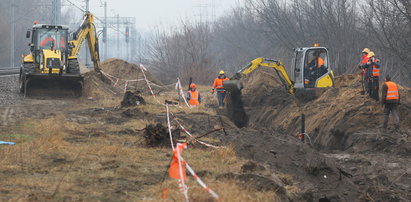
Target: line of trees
[271,28]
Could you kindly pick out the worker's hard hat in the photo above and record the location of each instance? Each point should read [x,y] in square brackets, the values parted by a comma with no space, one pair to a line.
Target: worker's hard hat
[222,72]
[371,54]
[366,50]
[36,22]
[193,85]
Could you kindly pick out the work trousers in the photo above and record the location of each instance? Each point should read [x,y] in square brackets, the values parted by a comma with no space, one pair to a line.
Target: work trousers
[220,98]
[391,107]
[375,87]
[365,82]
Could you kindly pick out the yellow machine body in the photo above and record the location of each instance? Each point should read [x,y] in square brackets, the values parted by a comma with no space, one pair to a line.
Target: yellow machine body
[310,71]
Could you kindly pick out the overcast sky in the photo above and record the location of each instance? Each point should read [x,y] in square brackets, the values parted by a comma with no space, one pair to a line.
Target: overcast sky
[152,13]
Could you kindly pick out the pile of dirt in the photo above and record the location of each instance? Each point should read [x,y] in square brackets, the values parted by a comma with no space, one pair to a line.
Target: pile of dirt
[158,136]
[98,86]
[350,158]
[330,119]
[132,99]
[124,70]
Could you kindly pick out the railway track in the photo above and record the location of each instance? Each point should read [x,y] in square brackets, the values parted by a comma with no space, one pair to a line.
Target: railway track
[5,71]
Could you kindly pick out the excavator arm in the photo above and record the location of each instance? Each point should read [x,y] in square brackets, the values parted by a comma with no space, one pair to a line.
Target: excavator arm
[87,30]
[270,63]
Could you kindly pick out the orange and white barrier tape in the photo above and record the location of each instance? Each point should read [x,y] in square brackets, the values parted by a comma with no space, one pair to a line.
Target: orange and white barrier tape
[202,184]
[178,86]
[182,186]
[142,68]
[169,126]
[199,141]
[115,81]
[198,179]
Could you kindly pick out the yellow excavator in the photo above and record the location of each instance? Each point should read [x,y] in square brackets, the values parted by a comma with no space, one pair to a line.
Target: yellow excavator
[52,62]
[310,71]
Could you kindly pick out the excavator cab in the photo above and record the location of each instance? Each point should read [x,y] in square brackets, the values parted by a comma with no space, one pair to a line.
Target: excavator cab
[311,68]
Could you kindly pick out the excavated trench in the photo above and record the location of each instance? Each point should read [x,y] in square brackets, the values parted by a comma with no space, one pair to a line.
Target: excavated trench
[348,143]
[331,119]
[235,109]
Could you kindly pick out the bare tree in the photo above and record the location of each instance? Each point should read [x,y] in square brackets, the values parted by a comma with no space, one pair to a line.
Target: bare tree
[271,28]
[388,24]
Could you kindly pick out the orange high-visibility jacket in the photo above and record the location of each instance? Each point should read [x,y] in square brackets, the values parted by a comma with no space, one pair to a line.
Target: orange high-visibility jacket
[376,68]
[364,59]
[320,62]
[194,97]
[392,91]
[218,83]
[46,41]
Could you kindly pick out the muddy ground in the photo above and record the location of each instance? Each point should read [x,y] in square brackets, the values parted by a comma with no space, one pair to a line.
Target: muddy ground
[92,149]
[346,138]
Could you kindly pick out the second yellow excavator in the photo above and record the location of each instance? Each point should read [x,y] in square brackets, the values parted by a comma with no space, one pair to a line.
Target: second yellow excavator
[311,70]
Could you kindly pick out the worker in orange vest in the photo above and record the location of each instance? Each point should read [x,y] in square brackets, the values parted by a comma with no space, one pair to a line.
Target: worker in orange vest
[373,75]
[390,99]
[364,60]
[218,85]
[48,42]
[316,68]
[193,96]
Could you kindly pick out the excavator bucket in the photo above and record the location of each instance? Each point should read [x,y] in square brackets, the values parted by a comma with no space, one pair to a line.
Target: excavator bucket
[40,85]
[232,85]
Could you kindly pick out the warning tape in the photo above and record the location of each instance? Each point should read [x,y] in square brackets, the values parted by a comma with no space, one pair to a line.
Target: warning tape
[199,141]
[182,92]
[148,84]
[169,126]
[183,187]
[198,179]
[115,81]
[300,137]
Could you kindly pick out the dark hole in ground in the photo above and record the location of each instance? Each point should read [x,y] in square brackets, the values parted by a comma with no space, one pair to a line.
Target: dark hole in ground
[235,108]
[325,199]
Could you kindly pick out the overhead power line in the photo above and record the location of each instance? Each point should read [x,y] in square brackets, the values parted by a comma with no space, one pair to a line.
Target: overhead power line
[102,21]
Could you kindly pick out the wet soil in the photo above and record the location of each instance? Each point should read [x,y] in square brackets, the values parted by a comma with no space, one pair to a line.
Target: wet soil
[349,151]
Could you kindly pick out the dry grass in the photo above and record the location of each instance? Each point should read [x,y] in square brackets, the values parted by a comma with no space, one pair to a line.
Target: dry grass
[60,160]
[56,159]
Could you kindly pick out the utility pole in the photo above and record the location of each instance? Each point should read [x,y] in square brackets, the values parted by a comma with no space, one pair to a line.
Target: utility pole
[12,10]
[118,36]
[57,12]
[87,10]
[139,48]
[127,40]
[105,30]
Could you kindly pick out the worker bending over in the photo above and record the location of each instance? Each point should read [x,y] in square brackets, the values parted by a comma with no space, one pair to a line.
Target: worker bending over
[364,60]
[218,85]
[372,73]
[390,99]
[193,96]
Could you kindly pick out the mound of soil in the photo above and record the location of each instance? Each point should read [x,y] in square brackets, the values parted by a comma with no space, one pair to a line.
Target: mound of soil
[351,158]
[132,99]
[330,119]
[124,70]
[113,87]
[158,136]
